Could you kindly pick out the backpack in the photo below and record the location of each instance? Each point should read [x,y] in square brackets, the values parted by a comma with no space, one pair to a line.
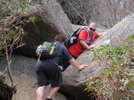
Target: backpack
[47,50]
[73,37]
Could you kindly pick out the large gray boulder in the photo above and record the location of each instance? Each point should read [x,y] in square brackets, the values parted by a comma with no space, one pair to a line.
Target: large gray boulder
[73,79]
[24,76]
[51,21]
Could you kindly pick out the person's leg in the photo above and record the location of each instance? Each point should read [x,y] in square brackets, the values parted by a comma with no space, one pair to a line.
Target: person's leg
[39,93]
[52,92]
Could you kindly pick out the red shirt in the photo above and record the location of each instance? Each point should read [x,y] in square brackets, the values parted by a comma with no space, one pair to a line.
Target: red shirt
[76,49]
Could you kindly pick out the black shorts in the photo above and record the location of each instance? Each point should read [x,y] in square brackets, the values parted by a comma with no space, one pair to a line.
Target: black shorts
[48,72]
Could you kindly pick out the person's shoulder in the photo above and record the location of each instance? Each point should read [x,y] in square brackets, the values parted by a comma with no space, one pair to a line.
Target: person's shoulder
[61,45]
[83,31]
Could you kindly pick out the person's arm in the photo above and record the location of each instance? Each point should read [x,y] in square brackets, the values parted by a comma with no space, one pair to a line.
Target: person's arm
[76,65]
[85,45]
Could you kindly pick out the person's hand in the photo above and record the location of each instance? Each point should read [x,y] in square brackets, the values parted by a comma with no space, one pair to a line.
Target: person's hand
[61,68]
[91,46]
[83,66]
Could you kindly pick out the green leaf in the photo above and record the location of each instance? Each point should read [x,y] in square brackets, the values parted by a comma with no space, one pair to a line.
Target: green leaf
[130,85]
[131,74]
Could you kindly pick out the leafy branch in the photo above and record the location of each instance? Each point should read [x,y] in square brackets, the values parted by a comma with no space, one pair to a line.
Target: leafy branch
[13,17]
[116,78]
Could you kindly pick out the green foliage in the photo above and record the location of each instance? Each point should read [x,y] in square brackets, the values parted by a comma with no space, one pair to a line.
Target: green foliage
[24,4]
[116,78]
[13,17]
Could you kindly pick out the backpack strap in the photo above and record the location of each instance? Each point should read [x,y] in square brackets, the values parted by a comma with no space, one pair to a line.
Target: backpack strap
[52,49]
[85,28]
[39,55]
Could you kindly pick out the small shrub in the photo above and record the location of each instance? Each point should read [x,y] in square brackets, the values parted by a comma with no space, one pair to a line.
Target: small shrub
[116,78]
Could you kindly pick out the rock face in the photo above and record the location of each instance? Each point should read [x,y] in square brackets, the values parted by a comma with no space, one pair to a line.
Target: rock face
[73,79]
[51,21]
[24,76]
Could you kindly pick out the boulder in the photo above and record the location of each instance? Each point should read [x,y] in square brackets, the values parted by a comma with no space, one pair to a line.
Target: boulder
[74,81]
[51,21]
[24,76]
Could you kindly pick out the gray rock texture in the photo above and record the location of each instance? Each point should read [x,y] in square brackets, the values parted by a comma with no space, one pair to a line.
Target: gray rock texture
[24,76]
[73,79]
[51,21]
